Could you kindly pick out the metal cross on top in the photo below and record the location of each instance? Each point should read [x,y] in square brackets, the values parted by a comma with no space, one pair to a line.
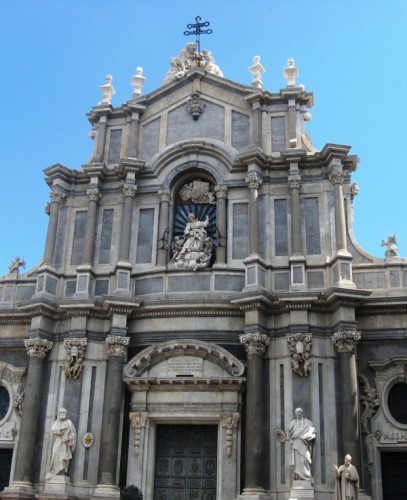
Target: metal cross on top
[196,29]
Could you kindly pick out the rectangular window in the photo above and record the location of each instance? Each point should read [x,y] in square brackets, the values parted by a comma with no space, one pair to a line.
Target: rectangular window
[106,236]
[240,244]
[145,236]
[78,238]
[281,227]
[115,145]
[312,235]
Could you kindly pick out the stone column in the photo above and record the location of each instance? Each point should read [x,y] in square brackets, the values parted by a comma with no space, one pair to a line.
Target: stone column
[254,182]
[56,197]
[336,178]
[163,227]
[221,196]
[294,182]
[345,342]
[255,344]
[109,446]
[94,197]
[129,191]
[37,349]
[101,138]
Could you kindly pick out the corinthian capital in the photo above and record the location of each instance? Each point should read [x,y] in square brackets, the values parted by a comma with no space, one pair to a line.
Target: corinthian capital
[221,192]
[337,177]
[254,343]
[129,190]
[346,340]
[56,195]
[94,194]
[117,346]
[294,181]
[165,195]
[37,347]
[253,181]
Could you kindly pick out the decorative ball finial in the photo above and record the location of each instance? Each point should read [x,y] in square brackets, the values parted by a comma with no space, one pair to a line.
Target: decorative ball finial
[257,69]
[137,81]
[290,72]
[107,91]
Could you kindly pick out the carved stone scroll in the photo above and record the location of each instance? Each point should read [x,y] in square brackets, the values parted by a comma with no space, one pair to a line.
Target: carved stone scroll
[75,354]
[138,421]
[229,421]
[300,346]
[371,403]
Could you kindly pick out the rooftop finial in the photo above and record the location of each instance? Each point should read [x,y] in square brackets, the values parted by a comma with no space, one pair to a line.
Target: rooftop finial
[290,72]
[107,90]
[257,69]
[137,81]
[198,31]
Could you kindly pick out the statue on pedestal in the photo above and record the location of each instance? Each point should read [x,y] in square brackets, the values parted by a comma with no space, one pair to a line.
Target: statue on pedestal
[301,434]
[347,481]
[63,445]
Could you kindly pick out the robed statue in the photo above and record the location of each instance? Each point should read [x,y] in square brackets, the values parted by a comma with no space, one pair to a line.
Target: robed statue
[301,434]
[347,481]
[63,435]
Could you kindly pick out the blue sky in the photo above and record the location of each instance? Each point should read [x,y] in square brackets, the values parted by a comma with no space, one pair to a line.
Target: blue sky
[352,54]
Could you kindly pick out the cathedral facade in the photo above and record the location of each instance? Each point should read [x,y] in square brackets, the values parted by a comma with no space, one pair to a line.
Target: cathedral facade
[201,291]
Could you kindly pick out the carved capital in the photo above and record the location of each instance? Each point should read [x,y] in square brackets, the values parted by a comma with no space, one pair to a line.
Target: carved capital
[229,421]
[117,346]
[37,347]
[255,343]
[300,346]
[165,195]
[346,340]
[129,190]
[337,177]
[138,421]
[221,192]
[94,194]
[294,181]
[75,354]
[56,195]
[253,181]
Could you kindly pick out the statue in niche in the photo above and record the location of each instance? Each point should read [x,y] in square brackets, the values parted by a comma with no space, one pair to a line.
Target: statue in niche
[347,481]
[391,245]
[63,435]
[194,249]
[301,435]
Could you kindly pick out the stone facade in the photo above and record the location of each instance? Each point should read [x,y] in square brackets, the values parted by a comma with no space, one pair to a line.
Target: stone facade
[136,325]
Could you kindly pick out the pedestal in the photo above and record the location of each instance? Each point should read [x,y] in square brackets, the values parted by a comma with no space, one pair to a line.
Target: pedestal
[302,489]
[254,494]
[106,491]
[56,488]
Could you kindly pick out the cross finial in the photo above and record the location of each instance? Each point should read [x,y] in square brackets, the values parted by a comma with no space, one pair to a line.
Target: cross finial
[196,29]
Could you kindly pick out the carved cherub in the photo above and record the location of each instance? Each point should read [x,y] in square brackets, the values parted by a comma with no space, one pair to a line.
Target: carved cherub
[16,264]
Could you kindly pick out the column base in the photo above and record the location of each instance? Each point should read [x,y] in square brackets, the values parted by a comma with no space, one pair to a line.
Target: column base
[254,494]
[18,490]
[302,489]
[105,491]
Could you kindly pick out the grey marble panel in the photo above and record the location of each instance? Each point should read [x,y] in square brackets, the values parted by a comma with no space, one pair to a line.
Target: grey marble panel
[101,287]
[181,125]
[367,280]
[151,139]
[82,283]
[281,227]
[240,130]
[315,279]
[149,285]
[70,288]
[240,243]
[9,293]
[394,278]
[106,236]
[78,237]
[51,285]
[311,219]
[263,226]
[278,134]
[281,281]
[115,143]
[1,292]
[60,239]
[229,283]
[193,283]
[25,292]
[145,236]
[404,279]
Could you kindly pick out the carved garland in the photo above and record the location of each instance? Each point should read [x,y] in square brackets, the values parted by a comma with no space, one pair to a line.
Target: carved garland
[138,421]
[229,421]
[371,403]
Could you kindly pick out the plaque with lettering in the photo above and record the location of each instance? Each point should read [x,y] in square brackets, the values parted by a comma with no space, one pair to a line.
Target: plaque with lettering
[185,366]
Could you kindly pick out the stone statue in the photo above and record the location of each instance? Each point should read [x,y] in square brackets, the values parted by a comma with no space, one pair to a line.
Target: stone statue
[347,481]
[301,434]
[391,245]
[194,249]
[63,445]
[14,267]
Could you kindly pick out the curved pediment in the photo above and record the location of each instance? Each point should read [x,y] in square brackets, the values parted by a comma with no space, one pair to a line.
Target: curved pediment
[169,357]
